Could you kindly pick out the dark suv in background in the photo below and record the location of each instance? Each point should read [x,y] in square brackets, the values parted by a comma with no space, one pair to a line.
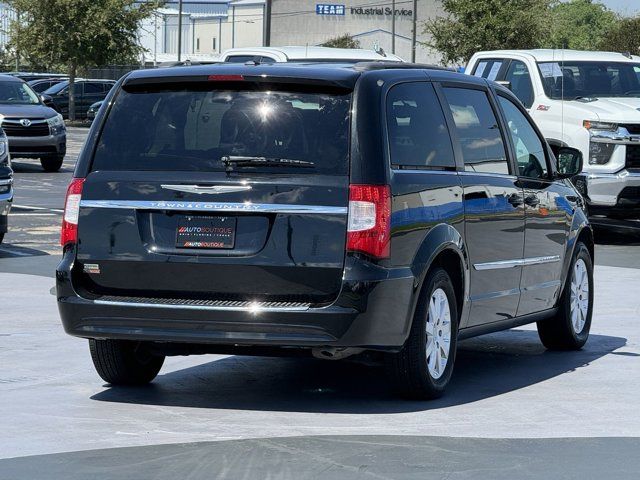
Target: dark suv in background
[87,92]
[33,129]
[328,209]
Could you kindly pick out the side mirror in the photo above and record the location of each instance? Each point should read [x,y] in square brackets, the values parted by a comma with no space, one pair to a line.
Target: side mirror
[569,162]
[47,100]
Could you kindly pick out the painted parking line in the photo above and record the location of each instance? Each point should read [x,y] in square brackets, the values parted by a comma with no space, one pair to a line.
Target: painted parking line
[34,214]
[13,252]
[29,207]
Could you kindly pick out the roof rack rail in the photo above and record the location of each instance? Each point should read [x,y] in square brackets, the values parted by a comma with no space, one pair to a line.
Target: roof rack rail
[386,65]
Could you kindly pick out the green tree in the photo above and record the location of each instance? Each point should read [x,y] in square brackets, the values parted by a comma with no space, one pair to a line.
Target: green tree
[343,41]
[579,24]
[623,37]
[473,25]
[77,34]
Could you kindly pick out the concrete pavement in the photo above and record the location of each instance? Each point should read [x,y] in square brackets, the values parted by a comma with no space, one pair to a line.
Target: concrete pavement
[505,386]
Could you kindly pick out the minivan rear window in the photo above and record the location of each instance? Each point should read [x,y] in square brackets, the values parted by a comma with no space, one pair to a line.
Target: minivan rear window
[193,128]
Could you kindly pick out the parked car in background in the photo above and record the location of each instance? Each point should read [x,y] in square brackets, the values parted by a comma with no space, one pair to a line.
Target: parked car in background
[33,129]
[87,92]
[29,76]
[40,85]
[330,209]
[6,184]
[93,110]
[586,100]
[303,54]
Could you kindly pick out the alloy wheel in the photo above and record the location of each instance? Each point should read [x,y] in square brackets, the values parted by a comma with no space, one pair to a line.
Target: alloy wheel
[579,296]
[438,328]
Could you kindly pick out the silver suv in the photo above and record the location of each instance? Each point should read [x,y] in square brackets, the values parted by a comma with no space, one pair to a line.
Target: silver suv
[33,129]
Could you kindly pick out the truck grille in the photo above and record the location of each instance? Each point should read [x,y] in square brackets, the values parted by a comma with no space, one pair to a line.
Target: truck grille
[37,128]
[633,157]
[632,128]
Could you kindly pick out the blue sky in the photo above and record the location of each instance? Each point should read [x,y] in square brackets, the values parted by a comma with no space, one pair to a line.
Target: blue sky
[626,7]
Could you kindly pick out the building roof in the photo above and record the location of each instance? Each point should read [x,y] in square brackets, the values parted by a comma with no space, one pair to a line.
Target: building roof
[557,55]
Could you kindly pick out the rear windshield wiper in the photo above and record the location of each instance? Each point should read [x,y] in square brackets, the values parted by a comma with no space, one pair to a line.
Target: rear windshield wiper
[241,161]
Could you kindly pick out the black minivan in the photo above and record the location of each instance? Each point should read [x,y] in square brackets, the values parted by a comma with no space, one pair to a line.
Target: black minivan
[326,209]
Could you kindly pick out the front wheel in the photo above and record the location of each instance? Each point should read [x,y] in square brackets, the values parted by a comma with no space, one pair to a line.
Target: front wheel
[569,329]
[423,368]
[52,164]
[119,362]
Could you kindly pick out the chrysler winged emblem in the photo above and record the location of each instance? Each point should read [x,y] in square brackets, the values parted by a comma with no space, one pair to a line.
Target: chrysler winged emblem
[210,189]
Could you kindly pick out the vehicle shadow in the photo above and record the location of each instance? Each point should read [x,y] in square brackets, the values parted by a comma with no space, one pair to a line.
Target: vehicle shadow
[486,367]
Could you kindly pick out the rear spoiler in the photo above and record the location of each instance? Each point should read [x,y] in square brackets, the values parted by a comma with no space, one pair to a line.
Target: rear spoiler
[238,79]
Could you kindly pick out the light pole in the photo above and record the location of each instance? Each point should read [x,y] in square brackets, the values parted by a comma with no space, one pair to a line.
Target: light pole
[414,34]
[267,23]
[393,27]
[179,29]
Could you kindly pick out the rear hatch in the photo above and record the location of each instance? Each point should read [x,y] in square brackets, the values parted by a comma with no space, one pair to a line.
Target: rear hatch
[218,190]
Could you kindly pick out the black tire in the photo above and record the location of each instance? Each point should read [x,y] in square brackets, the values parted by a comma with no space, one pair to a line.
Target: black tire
[119,362]
[52,164]
[1,237]
[409,368]
[558,333]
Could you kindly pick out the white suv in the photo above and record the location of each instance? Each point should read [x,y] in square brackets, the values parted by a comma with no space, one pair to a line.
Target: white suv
[586,100]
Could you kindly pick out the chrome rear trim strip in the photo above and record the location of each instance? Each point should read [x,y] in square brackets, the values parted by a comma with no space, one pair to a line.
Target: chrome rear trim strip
[213,206]
[249,307]
[516,263]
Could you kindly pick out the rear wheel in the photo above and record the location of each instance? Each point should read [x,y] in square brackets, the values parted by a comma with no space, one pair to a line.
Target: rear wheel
[52,164]
[120,362]
[423,368]
[569,329]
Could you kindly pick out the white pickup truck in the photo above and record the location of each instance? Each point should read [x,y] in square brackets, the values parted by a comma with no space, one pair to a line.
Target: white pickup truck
[585,100]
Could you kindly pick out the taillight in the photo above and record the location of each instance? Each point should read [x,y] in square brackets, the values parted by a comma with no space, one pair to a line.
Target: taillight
[69,232]
[369,227]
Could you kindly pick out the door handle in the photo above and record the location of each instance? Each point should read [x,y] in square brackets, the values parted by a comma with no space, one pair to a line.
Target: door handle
[515,199]
[531,201]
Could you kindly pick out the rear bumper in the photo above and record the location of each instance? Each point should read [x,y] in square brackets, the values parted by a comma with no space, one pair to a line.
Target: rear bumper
[26,147]
[373,311]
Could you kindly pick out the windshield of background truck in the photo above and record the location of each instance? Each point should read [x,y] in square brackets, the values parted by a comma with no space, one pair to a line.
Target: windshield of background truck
[572,80]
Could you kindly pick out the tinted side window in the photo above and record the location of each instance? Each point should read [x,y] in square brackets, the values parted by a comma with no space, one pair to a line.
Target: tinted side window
[418,134]
[521,86]
[528,146]
[240,58]
[90,88]
[477,127]
[488,68]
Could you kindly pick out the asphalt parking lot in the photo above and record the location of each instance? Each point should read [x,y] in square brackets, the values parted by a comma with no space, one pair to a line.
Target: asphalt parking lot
[513,409]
